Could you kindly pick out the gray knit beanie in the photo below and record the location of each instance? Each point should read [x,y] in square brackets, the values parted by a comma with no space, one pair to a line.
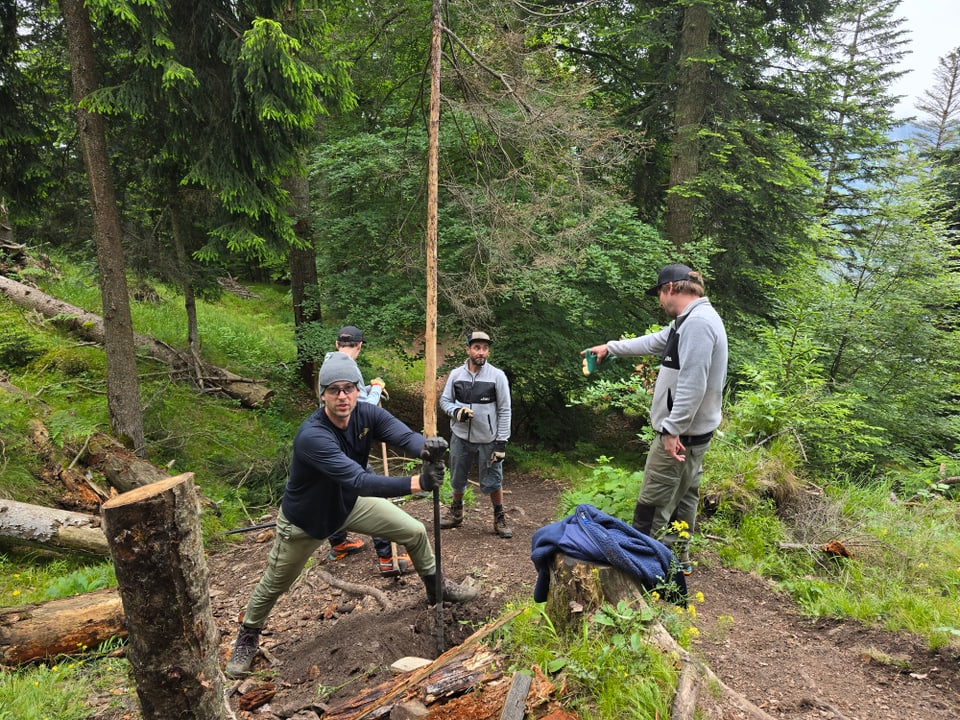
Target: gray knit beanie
[338,366]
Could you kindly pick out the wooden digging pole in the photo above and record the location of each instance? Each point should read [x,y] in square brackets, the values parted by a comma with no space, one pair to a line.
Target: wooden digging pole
[430,334]
[172,641]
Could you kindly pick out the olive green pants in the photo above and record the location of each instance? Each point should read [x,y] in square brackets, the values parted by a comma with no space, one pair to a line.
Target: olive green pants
[292,547]
[670,495]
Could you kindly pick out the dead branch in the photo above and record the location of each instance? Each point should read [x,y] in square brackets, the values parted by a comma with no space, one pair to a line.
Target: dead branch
[833,547]
[353,588]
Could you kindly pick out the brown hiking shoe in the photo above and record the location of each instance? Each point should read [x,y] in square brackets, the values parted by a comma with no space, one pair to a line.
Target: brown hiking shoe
[453,516]
[500,526]
[387,568]
[244,651]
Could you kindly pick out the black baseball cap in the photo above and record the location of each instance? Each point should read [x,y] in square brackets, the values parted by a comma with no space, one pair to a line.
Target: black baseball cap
[349,334]
[669,274]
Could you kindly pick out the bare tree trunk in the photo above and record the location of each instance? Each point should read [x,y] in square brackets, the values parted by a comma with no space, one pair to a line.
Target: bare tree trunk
[157,547]
[303,275]
[691,105]
[123,387]
[186,279]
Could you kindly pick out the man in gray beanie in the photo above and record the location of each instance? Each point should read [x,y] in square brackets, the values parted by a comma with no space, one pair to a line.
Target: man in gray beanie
[330,488]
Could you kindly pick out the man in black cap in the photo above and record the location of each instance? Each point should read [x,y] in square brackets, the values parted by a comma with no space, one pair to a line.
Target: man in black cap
[350,343]
[329,487]
[477,399]
[686,405]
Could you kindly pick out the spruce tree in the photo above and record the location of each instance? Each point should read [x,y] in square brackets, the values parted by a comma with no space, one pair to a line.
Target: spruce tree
[939,122]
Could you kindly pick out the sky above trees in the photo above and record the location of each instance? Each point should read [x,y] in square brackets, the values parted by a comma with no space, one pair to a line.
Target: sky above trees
[932,25]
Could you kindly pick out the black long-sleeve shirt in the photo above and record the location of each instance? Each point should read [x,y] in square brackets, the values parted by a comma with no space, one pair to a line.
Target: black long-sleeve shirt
[328,469]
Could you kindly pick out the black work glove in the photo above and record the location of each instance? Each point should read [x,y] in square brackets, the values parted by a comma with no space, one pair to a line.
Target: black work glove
[434,448]
[462,414]
[499,451]
[431,474]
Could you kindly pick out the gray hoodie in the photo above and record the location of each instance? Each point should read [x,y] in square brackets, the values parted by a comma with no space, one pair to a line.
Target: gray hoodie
[689,388]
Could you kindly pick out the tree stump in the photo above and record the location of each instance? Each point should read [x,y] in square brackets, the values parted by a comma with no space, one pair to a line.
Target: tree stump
[157,548]
[578,587]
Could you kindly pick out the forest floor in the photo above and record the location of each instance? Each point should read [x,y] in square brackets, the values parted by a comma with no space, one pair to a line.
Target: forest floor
[323,644]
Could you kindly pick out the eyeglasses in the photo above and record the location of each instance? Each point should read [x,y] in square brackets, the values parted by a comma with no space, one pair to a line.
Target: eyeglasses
[337,390]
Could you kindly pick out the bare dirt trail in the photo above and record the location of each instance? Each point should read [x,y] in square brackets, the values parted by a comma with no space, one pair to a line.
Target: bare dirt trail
[325,643]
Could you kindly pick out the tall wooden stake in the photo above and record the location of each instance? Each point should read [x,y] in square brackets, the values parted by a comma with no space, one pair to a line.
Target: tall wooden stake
[430,334]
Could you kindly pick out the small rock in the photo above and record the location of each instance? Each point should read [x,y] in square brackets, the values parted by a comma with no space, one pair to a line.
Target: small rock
[409,710]
[406,664]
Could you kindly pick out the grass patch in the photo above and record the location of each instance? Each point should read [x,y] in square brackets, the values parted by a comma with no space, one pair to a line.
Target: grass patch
[245,335]
[605,667]
[32,577]
[45,692]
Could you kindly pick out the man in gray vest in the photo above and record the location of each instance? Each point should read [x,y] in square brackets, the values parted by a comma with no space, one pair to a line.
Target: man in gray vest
[686,406]
[477,399]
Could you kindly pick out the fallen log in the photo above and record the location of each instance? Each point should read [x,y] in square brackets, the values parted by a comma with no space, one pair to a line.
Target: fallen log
[90,327]
[68,626]
[76,490]
[49,527]
[119,465]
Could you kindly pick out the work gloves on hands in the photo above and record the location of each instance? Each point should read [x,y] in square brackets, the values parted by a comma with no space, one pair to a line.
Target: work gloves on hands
[462,414]
[499,451]
[431,474]
[378,386]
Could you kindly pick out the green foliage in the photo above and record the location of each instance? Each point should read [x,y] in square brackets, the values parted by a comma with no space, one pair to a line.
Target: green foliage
[610,489]
[46,692]
[18,458]
[65,426]
[28,580]
[786,391]
[750,538]
[904,572]
[83,580]
[18,344]
[887,346]
[605,666]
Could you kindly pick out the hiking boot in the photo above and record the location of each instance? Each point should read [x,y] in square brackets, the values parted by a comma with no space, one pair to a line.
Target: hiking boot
[387,568]
[451,591]
[244,651]
[500,526]
[453,516]
[348,547]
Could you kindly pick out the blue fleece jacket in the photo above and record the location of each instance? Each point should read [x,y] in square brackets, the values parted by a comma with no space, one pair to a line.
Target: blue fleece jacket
[591,535]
